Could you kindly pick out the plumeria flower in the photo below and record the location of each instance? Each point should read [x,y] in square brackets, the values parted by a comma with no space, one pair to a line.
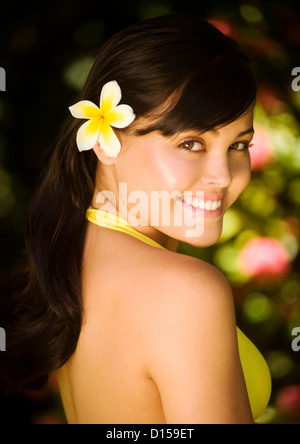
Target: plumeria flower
[101,120]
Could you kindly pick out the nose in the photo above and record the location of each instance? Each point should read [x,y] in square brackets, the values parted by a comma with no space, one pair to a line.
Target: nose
[216,170]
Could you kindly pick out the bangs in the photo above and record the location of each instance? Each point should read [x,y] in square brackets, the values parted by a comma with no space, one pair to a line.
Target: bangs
[220,92]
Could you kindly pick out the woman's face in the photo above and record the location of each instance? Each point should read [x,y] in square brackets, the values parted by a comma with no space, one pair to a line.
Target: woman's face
[181,186]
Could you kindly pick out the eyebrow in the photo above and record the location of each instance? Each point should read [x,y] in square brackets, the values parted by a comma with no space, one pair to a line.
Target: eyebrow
[243,133]
[248,131]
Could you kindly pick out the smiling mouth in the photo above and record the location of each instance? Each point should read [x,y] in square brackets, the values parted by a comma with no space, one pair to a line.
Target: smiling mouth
[202,203]
[209,205]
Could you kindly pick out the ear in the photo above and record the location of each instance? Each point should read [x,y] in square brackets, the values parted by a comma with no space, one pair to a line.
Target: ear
[102,156]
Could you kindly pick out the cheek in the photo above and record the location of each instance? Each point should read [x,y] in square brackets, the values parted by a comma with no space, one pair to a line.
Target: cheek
[241,175]
[155,169]
[172,171]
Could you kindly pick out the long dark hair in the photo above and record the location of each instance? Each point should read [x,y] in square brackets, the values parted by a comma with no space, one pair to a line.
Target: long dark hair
[171,56]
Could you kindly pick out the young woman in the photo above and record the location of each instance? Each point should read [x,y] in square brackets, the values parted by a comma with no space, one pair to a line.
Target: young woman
[138,332]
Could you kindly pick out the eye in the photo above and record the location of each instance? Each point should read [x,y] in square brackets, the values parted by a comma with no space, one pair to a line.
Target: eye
[192,145]
[240,146]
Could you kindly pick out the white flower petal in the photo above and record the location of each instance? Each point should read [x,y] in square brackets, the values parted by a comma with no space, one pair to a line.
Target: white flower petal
[87,134]
[108,140]
[110,96]
[120,117]
[85,110]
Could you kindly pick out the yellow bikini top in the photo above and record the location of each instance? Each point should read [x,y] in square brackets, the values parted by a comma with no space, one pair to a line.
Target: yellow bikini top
[256,371]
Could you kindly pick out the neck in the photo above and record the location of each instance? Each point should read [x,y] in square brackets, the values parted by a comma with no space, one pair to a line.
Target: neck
[105,204]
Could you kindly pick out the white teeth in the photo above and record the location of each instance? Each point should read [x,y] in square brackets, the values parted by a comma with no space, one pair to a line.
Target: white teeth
[209,205]
[214,205]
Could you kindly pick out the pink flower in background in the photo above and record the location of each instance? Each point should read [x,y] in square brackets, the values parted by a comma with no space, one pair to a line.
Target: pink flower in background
[264,257]
[288,401]
[261,153]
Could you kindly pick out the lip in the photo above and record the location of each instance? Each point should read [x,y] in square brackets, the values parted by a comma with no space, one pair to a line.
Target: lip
[206,196]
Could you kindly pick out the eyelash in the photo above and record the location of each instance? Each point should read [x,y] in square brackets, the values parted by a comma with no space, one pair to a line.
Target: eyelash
[190,141]
[247,145]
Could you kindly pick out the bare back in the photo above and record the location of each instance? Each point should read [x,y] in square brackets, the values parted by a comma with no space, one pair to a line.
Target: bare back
[144,355]
[106,381]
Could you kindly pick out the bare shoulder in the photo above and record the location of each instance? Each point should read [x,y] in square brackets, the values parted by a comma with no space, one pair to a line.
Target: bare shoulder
[186,297]
[180,279]
[190,344]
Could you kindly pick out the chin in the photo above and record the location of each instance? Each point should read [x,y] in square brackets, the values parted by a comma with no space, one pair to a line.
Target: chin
[208,238]
[200,243]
